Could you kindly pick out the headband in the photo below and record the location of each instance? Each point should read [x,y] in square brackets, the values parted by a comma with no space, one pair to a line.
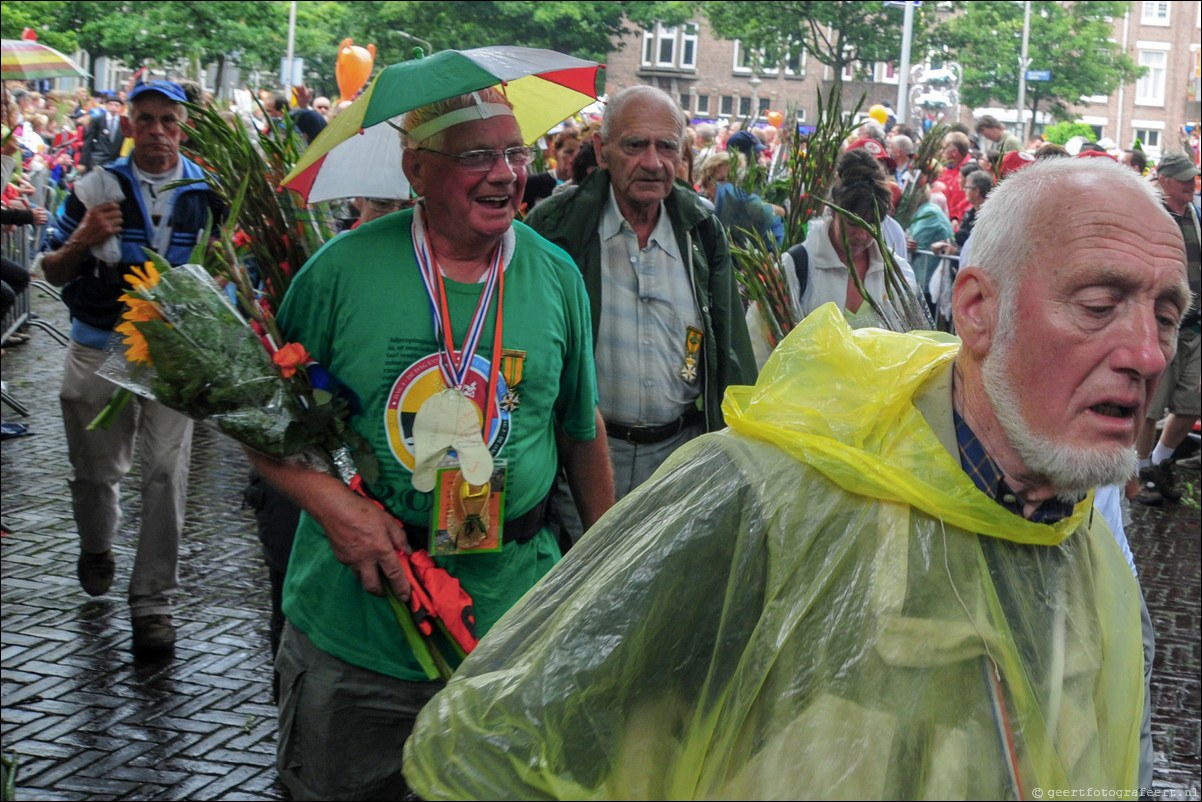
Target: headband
[480,111]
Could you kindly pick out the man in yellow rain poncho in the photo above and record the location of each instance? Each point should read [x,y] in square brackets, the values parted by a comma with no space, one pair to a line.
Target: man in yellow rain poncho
[885,580]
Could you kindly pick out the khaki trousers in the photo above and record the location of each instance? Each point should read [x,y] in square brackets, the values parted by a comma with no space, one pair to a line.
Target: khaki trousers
[100,459]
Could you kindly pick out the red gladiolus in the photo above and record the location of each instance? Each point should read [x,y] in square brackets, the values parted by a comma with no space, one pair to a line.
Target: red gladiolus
[289,357]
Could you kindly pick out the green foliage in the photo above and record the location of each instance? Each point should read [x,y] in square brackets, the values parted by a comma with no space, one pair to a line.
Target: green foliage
[1072,40]
[1063,132]
[583,29]
[44,18]
[245,172]
[252,34]
[833,33]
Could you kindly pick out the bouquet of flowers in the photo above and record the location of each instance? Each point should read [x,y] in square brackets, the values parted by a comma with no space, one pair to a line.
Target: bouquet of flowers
[187,346]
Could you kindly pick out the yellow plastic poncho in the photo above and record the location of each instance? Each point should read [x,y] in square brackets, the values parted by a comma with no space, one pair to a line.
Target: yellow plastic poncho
[815,604]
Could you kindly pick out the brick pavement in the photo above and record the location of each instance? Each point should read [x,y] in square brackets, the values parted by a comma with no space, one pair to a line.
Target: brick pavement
[85,719]
[89,723]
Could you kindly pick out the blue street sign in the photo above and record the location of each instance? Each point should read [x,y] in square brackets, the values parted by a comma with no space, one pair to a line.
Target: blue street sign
[1039,75]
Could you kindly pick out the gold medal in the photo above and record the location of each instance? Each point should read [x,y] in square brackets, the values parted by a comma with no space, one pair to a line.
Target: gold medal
[692,345]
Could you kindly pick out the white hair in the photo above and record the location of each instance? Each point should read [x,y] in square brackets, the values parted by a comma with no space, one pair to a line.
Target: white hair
[1004,241]
[618,103]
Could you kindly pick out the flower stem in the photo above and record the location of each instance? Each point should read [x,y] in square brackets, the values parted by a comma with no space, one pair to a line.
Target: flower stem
[435,668]
[112,409]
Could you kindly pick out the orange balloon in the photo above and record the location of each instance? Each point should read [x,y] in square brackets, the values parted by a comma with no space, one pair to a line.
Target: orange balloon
[775,118]
[353,67]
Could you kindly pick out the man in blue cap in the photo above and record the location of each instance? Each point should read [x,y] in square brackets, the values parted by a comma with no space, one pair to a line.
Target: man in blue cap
[113,215]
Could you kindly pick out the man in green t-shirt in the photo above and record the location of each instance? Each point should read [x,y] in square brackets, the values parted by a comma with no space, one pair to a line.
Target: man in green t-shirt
[427,315]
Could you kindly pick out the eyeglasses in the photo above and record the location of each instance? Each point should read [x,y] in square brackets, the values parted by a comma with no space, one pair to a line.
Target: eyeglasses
[482,161]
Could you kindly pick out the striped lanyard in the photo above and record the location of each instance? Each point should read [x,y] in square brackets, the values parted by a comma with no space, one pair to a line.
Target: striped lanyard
[453,365]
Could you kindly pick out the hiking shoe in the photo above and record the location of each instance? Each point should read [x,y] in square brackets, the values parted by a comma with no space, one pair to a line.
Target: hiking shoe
[154,636]
[1157,485]
[96,572]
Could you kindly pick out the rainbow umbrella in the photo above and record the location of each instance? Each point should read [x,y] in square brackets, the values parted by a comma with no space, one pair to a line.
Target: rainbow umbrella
[359,153]
[27,60]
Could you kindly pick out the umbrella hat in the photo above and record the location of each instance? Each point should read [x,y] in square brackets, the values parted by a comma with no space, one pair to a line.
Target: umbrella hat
[359,153]
[28,60]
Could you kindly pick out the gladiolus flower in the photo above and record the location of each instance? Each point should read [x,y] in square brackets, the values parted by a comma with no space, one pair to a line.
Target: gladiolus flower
[289,358]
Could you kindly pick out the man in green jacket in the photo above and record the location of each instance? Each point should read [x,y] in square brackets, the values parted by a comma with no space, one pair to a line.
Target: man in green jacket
[667,321]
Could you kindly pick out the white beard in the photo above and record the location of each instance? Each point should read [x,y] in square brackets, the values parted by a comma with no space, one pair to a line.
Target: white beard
[1072,471]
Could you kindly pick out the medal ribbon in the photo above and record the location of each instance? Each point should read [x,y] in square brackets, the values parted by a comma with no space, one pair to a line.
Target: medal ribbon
[455,366]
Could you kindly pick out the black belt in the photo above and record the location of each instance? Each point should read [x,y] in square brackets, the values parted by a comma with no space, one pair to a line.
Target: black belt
[645,435]
[521,529]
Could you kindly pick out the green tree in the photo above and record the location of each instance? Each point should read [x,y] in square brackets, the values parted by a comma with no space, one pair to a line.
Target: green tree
[1064,131]
[583,29]
[1072,40]
[44,18]
[836,34]
[162,34]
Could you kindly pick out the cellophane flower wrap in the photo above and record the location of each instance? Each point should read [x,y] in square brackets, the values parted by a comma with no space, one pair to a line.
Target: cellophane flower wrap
[188,347]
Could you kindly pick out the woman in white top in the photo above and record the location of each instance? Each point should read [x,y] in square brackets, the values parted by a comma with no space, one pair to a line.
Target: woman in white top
[860,187]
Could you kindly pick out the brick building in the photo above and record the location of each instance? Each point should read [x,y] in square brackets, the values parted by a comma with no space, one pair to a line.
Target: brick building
[712,78]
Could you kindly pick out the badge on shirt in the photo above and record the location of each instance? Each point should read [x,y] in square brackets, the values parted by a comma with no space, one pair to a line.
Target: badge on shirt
[467,517]
[692,346]
[511,369]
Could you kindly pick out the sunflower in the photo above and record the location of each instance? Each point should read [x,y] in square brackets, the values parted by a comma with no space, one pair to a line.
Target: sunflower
[143,279]
[139,310]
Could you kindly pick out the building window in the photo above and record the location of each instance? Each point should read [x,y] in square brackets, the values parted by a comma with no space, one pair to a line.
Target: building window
[728,106]
[703,105]
[765,104]
[670,47]
[746,60]
[795,65]
[1149,138]
[688,47]
[1149,90]
[665,49]
[744,107]
[885,73]
[1155,14]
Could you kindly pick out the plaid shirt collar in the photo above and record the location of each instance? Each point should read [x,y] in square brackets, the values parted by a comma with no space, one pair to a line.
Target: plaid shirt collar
[987,476]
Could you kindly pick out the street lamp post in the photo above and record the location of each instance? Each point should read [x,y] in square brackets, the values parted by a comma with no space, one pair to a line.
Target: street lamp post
[1023,63]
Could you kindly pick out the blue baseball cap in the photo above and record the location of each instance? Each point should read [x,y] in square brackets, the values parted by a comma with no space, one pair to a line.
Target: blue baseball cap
[169,89]
[746,142]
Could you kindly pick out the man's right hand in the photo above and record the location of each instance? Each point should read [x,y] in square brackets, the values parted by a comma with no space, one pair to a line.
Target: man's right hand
[366,538]
[100,223]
